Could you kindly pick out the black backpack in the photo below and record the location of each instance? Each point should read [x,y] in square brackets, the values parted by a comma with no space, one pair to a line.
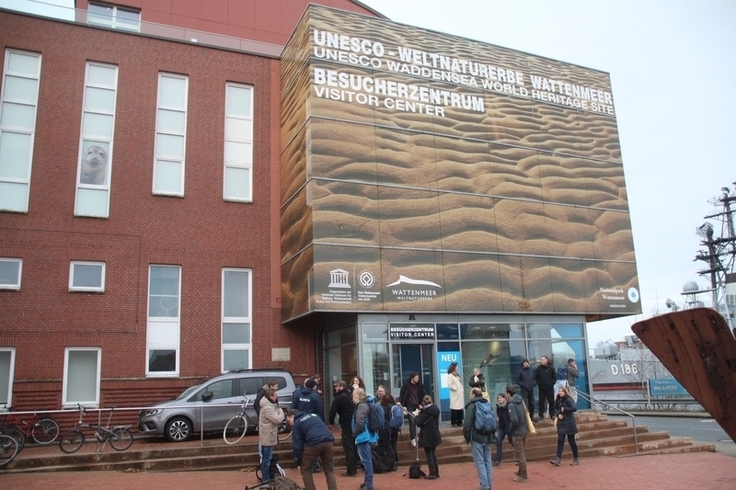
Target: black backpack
[415,471]
[376,417]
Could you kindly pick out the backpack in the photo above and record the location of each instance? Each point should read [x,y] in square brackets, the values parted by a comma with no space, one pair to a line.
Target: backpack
[415,471]
[397,418]
[283,483]
[376,417]
[383,459]
[562,372]
[485,418]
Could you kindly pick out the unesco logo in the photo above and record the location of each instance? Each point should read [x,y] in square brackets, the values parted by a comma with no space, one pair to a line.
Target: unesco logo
[366,279]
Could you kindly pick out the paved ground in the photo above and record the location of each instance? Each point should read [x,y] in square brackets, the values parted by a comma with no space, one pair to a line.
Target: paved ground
[673,471]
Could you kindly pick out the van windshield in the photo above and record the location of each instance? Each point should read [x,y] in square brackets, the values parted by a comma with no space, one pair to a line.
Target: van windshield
[188,392]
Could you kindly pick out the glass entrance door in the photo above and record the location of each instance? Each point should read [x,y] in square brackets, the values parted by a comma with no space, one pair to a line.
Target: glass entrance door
[412,357]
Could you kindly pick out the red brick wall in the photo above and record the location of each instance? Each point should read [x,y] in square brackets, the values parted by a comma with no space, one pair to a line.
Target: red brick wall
[270,21]
[200,232]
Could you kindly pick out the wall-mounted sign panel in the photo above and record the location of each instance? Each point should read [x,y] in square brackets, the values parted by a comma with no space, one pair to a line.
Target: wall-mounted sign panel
[425,172]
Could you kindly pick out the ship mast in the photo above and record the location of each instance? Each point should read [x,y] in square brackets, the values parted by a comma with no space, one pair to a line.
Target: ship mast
[720,254]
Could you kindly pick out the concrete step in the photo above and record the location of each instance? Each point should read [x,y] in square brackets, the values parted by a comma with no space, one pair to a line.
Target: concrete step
[597,437]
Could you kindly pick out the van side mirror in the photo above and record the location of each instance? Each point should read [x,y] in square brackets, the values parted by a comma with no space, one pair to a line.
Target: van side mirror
[207,396]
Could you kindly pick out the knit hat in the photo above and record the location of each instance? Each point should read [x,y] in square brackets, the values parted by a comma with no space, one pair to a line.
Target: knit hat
[310,383]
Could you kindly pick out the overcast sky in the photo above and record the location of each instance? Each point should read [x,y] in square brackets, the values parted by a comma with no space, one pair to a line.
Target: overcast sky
[673,69]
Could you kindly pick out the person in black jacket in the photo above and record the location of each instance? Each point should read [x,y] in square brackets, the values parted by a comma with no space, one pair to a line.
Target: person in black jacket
[524,379]
[410,397]
[428,420]
[308,401]
[566,425]
[504,427]
[477,380]
[546,377]
[343,407]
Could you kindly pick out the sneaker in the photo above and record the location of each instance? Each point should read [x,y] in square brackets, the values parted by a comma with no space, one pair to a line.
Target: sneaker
[496,463]
[520,479]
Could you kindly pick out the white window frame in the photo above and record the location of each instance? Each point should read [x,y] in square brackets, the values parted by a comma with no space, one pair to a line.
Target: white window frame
[238,146]
[16,286]
[11,376]
[7,127]
[163,131]
[115,21]
[246,346]
[163,332]
[93,289]
[72,377]
[89,193]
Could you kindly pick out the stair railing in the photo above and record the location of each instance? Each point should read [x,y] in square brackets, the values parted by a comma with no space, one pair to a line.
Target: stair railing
[593,400]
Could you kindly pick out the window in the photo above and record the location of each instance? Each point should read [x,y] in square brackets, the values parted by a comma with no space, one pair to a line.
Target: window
[171,124]
[10,270]
[81,376]
[87,276]
[114,16]
[162,335]
[18,102]
[236,319]
[95,145]
[7,364]
[238,181]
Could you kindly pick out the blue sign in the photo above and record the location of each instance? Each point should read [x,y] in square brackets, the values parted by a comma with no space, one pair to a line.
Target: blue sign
[666,387]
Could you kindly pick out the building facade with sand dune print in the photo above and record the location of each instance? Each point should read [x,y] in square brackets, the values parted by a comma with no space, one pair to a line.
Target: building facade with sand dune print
[307,187]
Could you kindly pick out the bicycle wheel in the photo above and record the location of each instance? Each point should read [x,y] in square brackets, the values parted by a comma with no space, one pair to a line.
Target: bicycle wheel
[72,441]
[8,449]
[15,433]
[234,429]
[284,431]
[121,438]
[45,431]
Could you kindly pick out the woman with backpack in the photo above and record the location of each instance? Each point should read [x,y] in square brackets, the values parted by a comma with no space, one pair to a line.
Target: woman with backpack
[395,422]
[566,425]
[428,421]
[457,395]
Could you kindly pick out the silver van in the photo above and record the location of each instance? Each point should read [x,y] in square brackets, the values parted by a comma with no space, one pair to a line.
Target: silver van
[209,405]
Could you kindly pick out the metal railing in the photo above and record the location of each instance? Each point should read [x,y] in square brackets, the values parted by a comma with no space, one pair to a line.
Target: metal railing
[591,399]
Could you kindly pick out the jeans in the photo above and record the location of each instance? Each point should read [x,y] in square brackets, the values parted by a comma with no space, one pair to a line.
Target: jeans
[412,422]
[366,458]
[434,468]
[482,460]
[266,453]
[561,444]
[499,442]
[528,397]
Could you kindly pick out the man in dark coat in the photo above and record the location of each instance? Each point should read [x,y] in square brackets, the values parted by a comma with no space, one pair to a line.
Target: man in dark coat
[480,443]
[546,377]
[517,420]
[343,407]
[410,397]
[311,441]
[308,401]
[524,379]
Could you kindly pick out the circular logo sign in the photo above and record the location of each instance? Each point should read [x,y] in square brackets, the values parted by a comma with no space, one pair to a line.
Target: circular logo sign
[366,279]
[633,295]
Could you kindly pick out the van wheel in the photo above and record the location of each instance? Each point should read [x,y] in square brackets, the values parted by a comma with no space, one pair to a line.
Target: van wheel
[178,429]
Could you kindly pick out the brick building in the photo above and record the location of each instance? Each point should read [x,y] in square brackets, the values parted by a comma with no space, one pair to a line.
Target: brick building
[192,187]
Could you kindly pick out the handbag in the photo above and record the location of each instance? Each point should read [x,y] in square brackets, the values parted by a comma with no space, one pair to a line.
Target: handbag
[529,423]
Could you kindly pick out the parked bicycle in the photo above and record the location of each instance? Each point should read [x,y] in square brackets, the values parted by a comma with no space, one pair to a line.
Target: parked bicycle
[41,429]
[120,437]
[8,449]
[237,426]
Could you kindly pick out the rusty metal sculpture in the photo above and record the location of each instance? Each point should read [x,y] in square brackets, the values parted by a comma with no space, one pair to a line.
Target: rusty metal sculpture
[698,348]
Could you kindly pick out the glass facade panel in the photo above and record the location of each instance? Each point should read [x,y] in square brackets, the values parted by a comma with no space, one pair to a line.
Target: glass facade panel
[375,331]
[15,155]
[375,366]
[555,330]
[236,333]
